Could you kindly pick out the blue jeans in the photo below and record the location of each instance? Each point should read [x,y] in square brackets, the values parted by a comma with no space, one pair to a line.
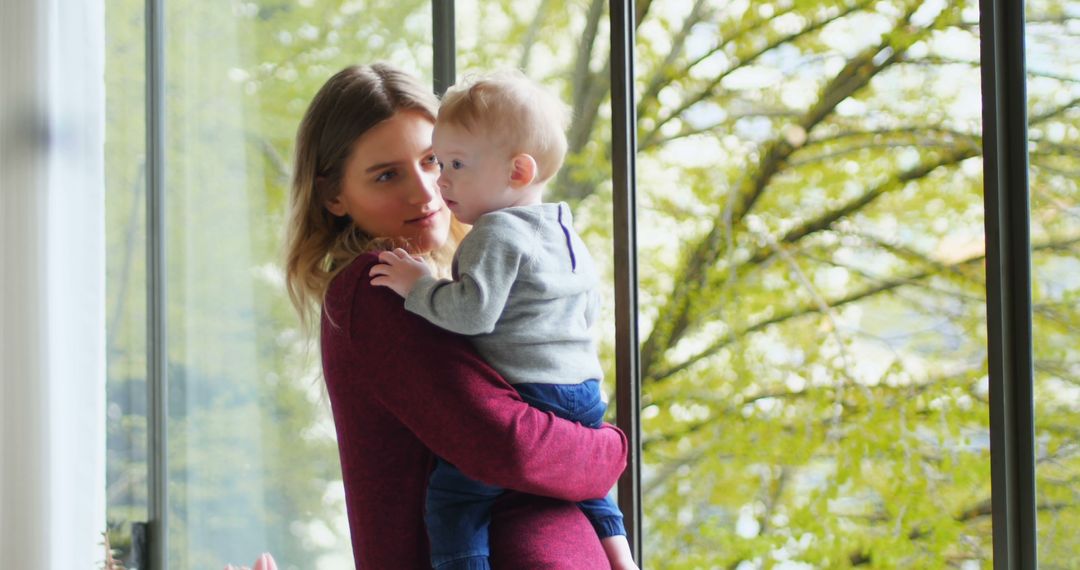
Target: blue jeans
[459,508]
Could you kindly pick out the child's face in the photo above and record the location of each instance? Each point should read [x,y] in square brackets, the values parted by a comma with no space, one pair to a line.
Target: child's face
[475,177]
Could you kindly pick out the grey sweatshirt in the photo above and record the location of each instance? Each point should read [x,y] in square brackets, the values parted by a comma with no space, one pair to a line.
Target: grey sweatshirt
[525,288]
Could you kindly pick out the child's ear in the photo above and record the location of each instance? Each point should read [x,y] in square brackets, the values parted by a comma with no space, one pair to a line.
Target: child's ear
[522,170]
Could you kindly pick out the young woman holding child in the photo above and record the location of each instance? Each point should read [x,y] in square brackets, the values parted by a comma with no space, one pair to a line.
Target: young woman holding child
[403,390]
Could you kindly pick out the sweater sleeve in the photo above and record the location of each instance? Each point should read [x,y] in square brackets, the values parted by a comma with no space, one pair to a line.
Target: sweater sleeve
[488,261]
[436,385]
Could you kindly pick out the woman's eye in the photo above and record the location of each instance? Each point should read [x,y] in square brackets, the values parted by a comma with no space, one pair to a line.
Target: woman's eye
[432,160]
[385,176]
[456,164]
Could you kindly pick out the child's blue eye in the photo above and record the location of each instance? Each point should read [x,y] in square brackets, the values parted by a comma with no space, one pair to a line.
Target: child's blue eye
[456,164]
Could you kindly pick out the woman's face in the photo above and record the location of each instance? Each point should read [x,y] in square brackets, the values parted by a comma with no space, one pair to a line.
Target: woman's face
[388,187]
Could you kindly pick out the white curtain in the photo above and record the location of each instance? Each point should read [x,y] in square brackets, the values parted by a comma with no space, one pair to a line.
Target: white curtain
[52,259]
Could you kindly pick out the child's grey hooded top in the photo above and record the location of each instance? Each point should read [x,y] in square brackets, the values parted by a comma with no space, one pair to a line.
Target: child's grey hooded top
[525,287]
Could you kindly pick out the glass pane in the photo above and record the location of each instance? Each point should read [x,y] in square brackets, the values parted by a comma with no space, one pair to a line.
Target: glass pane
[253,460]
[1053,64]
[125,276]
[814,354]
[534,36]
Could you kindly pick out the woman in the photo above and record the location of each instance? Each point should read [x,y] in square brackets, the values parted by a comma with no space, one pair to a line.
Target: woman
[401,389]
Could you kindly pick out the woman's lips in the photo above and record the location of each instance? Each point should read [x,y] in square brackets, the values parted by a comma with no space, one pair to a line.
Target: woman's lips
[428,218]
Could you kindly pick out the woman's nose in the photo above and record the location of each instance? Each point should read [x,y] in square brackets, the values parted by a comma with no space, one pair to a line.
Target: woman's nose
[425,187]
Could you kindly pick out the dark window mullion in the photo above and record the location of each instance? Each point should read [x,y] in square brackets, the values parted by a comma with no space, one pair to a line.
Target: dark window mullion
[623,166]
[157,381]
[1008,284]
[443,44]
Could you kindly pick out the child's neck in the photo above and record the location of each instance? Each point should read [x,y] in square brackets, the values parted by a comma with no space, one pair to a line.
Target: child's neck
[529,195]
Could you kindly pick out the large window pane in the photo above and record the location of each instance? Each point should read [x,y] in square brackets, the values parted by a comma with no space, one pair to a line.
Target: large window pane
[252,454]
[814,354]
[1053,64]
[253,461]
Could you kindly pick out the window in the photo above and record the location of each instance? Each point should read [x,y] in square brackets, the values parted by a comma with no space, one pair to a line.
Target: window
[815,378]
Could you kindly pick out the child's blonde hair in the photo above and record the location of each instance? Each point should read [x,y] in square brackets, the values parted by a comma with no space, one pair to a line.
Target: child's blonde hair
[514,112]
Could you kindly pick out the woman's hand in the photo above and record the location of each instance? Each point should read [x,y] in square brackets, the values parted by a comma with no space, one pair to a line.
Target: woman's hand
[264,562]
[399,271]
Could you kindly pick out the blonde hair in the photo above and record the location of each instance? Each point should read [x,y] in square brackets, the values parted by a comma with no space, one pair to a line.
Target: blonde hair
[318,245]
[515,112]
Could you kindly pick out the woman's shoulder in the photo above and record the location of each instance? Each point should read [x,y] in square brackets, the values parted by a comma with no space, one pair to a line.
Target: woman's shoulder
[354,274]
[351,288]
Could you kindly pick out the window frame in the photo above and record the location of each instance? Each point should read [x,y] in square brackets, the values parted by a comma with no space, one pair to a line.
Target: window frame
[1006,199]
[624,211]
[155,533]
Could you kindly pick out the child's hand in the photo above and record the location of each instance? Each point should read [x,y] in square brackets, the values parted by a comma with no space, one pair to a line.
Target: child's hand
[399,271]
[618,553]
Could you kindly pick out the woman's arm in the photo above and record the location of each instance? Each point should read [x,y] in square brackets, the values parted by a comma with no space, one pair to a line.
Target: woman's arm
[436,385]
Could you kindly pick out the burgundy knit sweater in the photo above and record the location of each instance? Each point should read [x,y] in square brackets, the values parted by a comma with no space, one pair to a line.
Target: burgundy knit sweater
[402,389]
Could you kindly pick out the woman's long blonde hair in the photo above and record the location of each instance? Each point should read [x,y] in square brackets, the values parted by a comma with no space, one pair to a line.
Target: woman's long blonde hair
[318,244]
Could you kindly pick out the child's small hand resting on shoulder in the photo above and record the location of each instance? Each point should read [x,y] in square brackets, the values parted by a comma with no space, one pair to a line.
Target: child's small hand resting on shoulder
[399,271]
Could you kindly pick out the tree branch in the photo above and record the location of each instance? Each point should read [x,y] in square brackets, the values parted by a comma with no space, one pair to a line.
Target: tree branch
[853,77]
[531,34]
[675,315]
[694,277]
[812,308]
[581,79]
[709,90]
[830,217]
[281,168]
[663,74]
[120,302]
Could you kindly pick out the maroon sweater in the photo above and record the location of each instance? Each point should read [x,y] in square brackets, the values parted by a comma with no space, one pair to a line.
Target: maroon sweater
[402,389]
